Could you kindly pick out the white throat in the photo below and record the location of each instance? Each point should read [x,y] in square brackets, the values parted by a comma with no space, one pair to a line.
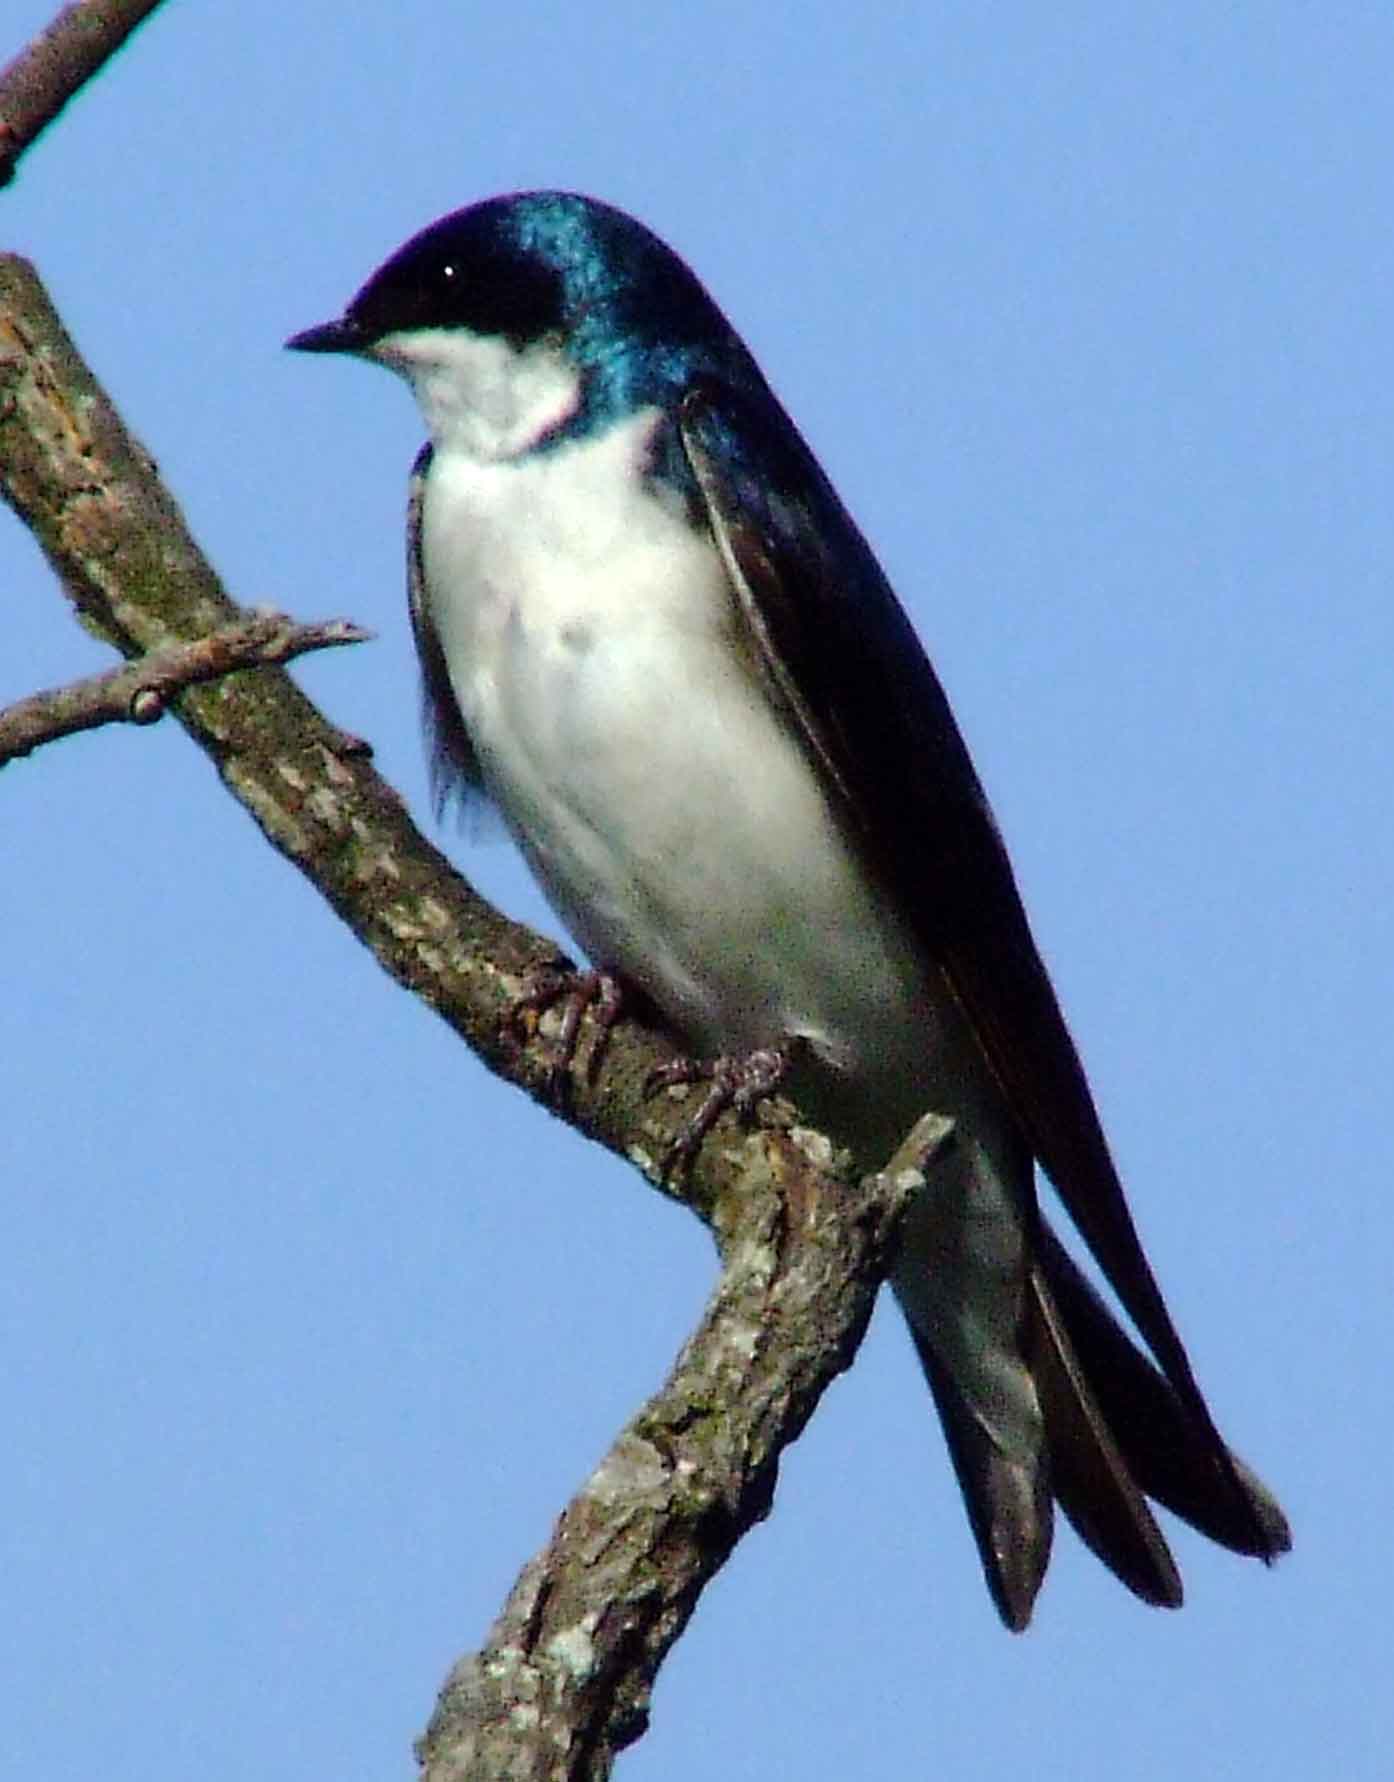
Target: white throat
[481,396]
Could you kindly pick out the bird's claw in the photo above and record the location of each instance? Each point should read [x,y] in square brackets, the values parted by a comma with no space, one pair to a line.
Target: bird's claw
[574,993]
[736,1082]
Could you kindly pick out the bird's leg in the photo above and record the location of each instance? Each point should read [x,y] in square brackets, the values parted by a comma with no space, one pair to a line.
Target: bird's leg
[574,992]
[735,1082]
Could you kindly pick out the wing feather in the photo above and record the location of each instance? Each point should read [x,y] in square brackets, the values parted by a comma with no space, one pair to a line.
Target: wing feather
[454,766]
[839,651]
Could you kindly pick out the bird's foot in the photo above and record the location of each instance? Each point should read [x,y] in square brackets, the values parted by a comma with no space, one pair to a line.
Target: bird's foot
[735,1082]
[573,993]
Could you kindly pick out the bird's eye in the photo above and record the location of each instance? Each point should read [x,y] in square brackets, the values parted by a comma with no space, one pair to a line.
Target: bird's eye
[447,272]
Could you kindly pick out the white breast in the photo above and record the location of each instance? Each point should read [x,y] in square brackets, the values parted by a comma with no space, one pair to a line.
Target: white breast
[675,823]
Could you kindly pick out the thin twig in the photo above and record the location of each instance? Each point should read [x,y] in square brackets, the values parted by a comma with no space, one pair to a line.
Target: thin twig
[51,69]
[140,692]
[45,75]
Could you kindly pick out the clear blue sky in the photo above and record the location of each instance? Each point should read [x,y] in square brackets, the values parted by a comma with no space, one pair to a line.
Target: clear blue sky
[310,1327]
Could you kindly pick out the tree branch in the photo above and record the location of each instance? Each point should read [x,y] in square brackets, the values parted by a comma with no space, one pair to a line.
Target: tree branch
[90,495]
[46,74]
[140,693]
[564,1681]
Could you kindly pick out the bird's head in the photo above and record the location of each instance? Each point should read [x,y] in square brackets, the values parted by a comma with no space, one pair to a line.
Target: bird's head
[511,316]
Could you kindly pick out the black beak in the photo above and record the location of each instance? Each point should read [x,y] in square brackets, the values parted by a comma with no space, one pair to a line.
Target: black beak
[343,336]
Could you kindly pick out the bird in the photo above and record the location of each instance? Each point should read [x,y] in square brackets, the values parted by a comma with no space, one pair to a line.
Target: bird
[654,639]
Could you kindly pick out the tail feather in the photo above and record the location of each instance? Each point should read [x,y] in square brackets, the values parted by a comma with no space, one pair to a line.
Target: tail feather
[1114,1433]
[1171,1460]
[1009,1502]
[1089,1474]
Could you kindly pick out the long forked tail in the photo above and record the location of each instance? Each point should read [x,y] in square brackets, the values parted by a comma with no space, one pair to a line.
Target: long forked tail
[1168,1459]
[1115,1435]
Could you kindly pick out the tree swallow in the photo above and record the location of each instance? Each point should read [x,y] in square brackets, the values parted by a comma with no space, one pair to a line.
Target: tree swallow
[653,637]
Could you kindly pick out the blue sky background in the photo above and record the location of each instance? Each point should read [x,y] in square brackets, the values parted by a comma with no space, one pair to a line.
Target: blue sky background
[310,1327]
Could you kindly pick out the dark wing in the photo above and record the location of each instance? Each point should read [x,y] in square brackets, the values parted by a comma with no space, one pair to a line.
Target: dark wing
[838,650]
[454,766]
